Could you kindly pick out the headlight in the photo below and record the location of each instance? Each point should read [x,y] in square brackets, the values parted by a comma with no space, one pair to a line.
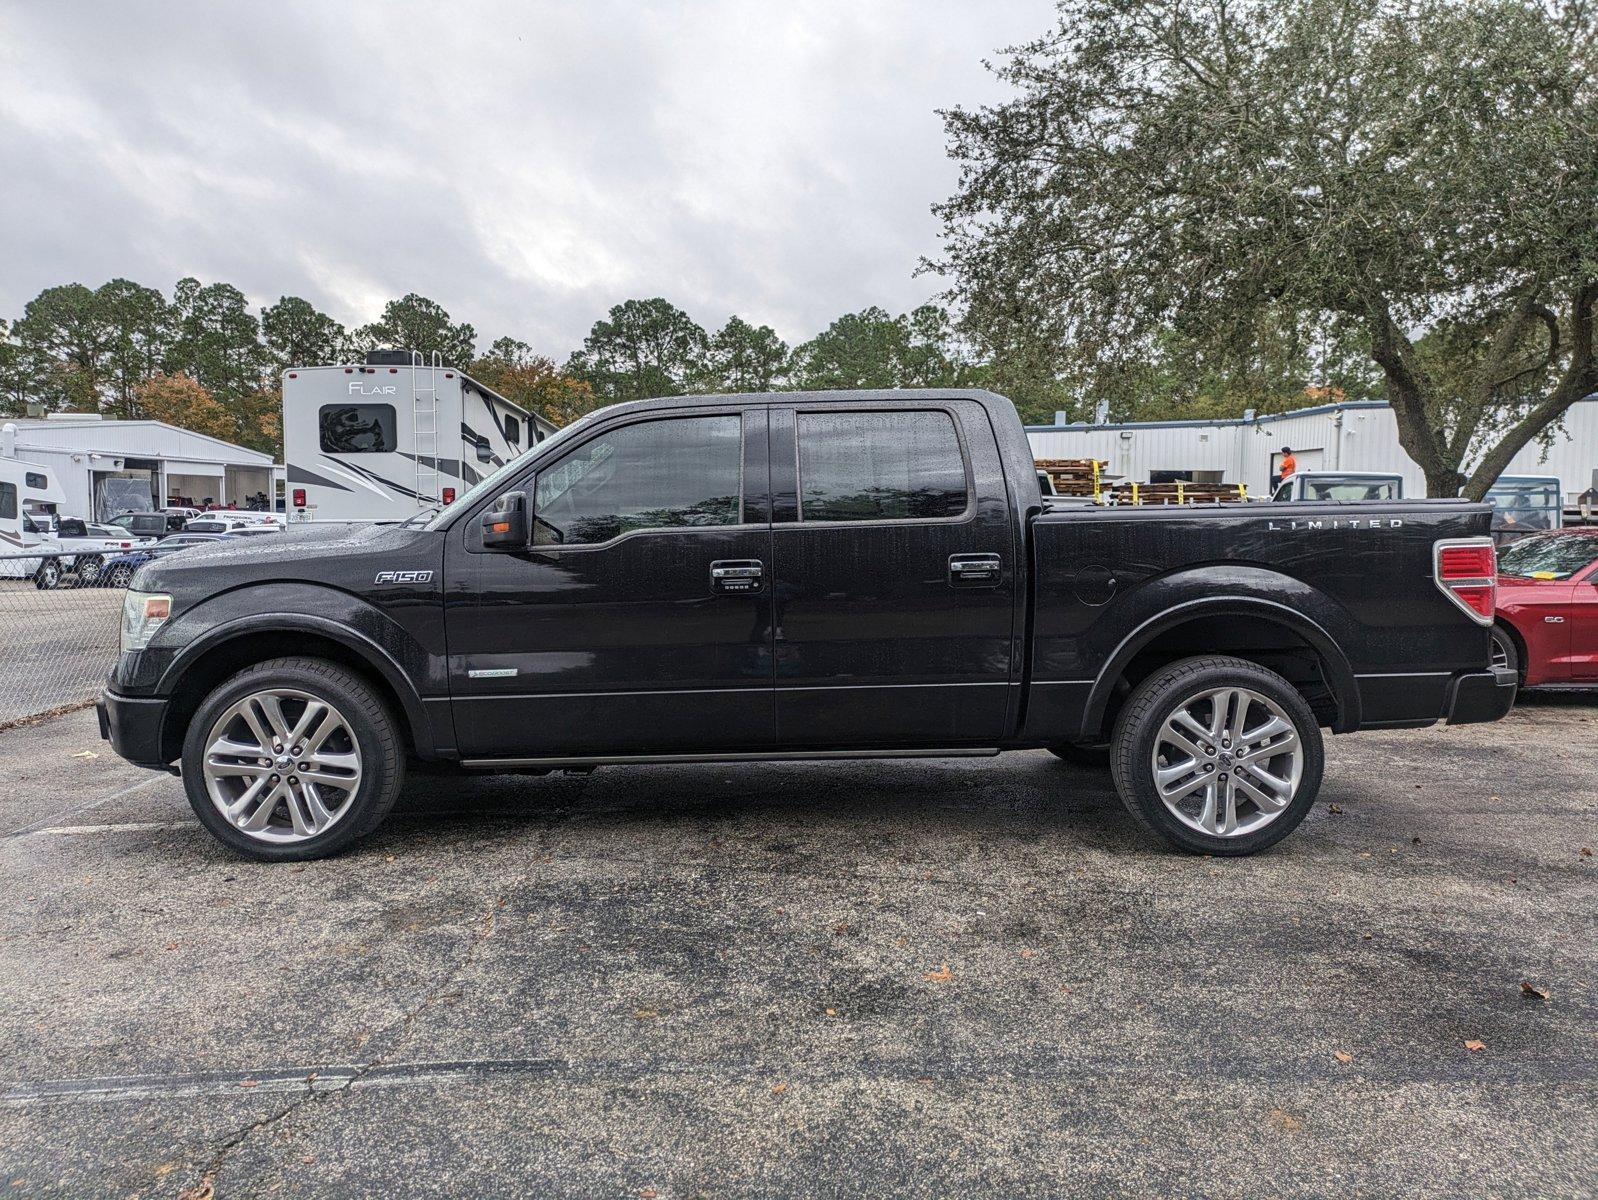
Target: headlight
[142,614]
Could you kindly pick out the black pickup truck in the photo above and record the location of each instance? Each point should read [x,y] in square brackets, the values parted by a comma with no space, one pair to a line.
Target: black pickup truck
[801,575]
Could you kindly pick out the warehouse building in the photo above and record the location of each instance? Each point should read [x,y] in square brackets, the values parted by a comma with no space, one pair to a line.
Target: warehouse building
[107,467]
[1358,435]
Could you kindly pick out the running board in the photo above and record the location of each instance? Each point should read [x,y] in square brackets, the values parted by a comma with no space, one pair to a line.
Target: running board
[623,760]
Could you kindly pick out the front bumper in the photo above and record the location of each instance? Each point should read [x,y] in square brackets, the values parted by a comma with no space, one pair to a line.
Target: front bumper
[1482,696]
[133,727]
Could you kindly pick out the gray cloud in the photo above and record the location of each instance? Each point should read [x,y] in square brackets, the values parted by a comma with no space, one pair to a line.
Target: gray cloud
[527,165]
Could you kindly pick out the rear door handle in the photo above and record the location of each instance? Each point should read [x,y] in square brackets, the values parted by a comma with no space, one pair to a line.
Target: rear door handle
[975,570]
[736,576]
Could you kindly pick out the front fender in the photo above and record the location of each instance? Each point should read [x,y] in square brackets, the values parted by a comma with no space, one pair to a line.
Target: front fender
[403,657]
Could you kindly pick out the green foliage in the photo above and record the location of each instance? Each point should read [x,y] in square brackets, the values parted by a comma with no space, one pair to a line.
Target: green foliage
[414,322]
[218,342]
[645,348]
[870,349]
[140,329]
[1413,179]
[299,335]
[744,358]
[512,369]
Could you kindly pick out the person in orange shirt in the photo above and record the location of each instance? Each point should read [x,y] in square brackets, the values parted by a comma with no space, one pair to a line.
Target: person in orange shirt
[1289,464]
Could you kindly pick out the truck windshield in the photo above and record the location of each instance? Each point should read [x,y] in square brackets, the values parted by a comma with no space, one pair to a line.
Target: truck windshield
[502,477]
[1528,503]
[1548,557]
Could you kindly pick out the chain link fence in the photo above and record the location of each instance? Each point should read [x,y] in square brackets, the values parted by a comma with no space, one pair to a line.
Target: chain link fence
[60,620]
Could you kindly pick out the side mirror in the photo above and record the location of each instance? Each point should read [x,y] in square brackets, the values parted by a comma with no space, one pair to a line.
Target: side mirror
[484,454]
[505,525]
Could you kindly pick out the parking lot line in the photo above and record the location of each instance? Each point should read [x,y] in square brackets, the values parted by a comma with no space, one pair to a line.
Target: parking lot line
[55,819]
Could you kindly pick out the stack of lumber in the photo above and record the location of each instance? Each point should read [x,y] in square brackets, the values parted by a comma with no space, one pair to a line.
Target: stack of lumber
[1077,476]
[1175,493]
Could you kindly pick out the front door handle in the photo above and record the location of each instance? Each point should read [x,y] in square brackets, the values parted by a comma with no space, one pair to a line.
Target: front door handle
[975,570]
[736,576]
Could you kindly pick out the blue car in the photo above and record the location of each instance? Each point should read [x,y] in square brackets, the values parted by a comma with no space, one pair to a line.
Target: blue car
[118,570]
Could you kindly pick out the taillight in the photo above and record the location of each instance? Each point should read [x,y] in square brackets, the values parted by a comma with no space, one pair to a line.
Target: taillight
[299,497]
[1467,573]
[449,495]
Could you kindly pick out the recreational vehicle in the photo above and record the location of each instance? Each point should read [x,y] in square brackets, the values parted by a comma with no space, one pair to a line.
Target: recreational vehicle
[397,434]
[29,497]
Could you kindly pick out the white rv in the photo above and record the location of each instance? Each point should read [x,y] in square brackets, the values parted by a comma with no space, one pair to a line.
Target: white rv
[30,497]
[384,439]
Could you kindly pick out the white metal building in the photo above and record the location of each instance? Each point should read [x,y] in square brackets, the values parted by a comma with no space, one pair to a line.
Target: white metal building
[1358,435]
[106,467]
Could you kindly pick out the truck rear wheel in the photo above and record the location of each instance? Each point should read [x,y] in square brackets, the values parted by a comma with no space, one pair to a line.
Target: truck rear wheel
[1217,756]
[292,759]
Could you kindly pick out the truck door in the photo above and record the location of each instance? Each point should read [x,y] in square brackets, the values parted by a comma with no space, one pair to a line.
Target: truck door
[638,621]
[895,575]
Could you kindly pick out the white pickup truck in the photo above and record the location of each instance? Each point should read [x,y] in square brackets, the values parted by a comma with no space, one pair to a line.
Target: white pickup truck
[82,548]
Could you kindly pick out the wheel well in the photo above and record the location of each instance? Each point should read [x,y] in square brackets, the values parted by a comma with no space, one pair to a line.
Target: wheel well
[1516,637]
[232,656]
[1272,645]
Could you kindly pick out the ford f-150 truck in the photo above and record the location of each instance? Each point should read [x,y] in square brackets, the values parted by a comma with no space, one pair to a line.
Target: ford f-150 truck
[811,575]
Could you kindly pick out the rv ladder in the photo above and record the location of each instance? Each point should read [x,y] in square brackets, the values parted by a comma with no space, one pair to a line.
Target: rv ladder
[424,423]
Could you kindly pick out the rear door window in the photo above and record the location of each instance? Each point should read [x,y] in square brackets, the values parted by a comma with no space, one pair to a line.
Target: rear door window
[358,428]
[8,502]
[880,466]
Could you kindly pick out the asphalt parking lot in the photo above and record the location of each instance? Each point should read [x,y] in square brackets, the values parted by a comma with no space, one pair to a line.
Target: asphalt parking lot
[910,978]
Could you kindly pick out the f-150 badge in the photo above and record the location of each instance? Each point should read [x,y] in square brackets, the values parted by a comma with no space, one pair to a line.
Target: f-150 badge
[404,577]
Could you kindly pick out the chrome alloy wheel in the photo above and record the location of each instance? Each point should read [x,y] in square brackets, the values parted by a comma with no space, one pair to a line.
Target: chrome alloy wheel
[282,766]
[1227,762]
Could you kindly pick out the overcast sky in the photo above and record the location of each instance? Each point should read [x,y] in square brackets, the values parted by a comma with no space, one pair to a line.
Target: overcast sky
[525,164]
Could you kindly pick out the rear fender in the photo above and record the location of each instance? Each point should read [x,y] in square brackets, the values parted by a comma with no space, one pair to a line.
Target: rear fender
[1339,675]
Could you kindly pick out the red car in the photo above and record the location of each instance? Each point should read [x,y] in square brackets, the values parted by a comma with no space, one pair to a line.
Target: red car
[1547,626]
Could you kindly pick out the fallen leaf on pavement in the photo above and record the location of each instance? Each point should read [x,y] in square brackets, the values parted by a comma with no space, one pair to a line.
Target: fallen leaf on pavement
[1473,1044]
[85,754]
[1028,953]
[249,1083]
[941,975]
[1586,851]
[1531,989]
[644,1014]
[200,1191]
[779,1089]
[1336,808]
[1342,1056]
[832,1012]
[1285,1121]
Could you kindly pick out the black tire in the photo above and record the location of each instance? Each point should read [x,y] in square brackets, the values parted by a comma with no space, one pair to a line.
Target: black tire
[118,576]
[1139,726]
[373,726]
[1506,652]
[1084,754]
[88,570]
[48,576]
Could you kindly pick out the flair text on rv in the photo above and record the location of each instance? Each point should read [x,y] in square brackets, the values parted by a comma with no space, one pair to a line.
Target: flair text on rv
[360,389]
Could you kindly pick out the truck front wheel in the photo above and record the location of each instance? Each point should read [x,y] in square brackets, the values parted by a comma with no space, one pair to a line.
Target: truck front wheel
[292,759]
[1217,756]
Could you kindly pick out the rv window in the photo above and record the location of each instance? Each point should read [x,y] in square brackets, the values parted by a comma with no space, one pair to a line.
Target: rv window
[358,428]
[513,431]
[682,471]
[8,502]
[35,480]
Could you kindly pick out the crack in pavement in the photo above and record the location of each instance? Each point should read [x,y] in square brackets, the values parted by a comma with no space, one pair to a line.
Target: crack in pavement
[401,1030]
